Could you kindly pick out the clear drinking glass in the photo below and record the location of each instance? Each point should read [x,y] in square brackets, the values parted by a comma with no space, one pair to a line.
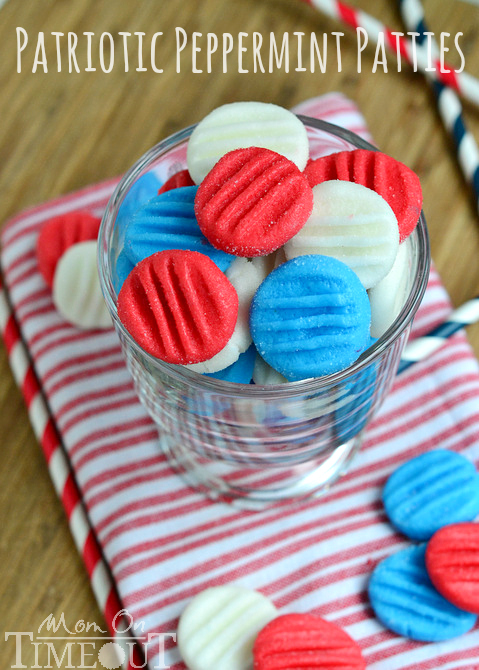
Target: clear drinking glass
[259,444]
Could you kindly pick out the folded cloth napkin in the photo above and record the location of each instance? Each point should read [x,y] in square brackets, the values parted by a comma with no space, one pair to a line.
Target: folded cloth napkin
[150,543]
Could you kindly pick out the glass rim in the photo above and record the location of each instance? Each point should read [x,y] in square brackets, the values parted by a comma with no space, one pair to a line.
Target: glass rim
[271,391]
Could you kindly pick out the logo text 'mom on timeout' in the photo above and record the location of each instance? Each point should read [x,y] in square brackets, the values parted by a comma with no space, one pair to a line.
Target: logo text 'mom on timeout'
[82,647]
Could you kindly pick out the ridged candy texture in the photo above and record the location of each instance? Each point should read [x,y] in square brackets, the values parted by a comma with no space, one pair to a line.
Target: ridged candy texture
[394,181]
[76,288]
[58,234]
[305,641]
[245,124]
[452,562]
[252,202]
[405,600]
[168,221]
[178,306]
[353,224]
[245,275]
[310,317]
[434,489]
[218,628]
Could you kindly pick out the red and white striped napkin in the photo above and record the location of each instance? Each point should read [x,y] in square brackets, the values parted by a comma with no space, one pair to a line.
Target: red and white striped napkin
[149,542]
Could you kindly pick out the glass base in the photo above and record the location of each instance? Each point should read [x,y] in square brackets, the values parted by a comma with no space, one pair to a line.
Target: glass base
[255,488]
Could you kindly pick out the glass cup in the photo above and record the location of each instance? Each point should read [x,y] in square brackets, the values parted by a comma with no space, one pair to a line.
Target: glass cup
[257,445]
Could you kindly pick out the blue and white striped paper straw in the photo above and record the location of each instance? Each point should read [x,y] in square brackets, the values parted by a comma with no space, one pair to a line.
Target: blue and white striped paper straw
[424,346]
[448,103]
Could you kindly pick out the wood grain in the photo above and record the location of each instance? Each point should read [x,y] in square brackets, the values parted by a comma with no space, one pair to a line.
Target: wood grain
[61,131]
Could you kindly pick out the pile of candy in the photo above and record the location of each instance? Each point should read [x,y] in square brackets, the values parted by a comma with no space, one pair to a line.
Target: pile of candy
[67,253]
[430,591]
[231,628]
[426,592]
[258,263]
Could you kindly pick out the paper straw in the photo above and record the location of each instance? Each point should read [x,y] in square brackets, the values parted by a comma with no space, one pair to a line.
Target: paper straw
[464,83]
[64,481]
[448,103]
[422,347]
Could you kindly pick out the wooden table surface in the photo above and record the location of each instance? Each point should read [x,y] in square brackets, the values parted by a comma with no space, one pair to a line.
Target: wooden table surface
[60,131]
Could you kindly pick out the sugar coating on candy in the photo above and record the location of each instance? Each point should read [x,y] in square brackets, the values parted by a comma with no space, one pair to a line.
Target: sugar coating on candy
[252,202]
[353,224]
[168,221]
[434,489]
[145,188]
[76,288]
[387,298]
[245,124]
[405,600]
[310,317]
[391,179]
[299,641]
[245,275]
[179,179]
[219,626]
[452,562]
[178,306]
[58,234]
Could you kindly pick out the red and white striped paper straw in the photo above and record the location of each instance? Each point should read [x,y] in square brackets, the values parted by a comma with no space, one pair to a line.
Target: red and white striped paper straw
[464,83]
[64,482]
